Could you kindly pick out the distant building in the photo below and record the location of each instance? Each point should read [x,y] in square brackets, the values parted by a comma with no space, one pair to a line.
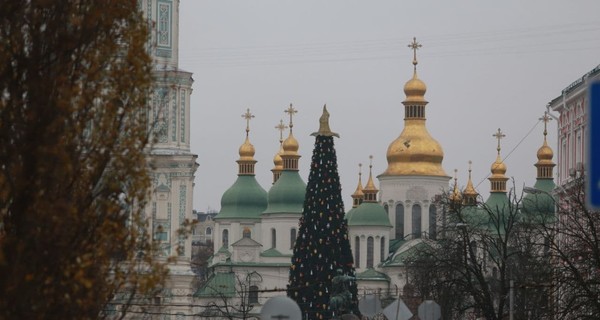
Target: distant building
[204,226]
[572,130]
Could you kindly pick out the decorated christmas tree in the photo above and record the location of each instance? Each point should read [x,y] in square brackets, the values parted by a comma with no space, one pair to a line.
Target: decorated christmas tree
[322,250]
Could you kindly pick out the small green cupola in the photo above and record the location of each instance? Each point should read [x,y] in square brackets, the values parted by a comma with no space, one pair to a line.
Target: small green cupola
[287,193]
[369,212]
[498,203]
[539,199]
[245,199]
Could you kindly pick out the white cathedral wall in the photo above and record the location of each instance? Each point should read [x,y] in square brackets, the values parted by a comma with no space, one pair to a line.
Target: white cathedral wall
[364,232]
[282,224]
[409,191]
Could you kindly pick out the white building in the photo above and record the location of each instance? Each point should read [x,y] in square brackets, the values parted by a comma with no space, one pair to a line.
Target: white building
[173,164]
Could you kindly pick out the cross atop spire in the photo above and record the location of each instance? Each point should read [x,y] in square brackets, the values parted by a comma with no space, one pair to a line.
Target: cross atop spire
[499,135]
[281,127]
[455,175]
[247,116]
[359,170]
[546,119]
[291,111]
[414,45]
[470,163]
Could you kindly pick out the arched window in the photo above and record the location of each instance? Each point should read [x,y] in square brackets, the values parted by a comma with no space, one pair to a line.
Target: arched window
[208,231]
[292,238]
[382,249]
[253,294]
[399,221]
[416,221]
[357,252]
[247,233]
[273,238]
[225,238]
[432,222]
[370,249]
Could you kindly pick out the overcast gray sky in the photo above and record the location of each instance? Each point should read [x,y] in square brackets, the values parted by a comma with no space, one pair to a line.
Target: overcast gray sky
[487,65]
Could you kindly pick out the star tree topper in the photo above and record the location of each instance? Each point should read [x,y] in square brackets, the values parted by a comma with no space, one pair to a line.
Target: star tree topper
[324,129]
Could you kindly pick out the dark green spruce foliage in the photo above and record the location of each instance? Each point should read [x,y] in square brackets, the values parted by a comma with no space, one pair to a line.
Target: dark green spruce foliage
[322,244]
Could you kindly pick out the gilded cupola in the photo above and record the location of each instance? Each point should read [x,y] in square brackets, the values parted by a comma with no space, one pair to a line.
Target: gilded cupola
[370,191]
[358,195]
[246,162]
[470,194]
[455,196]
[544,164]
[277,160]
[290,146]
[415,152]
[498,178]
[369,212]
[245,199]
[288,191]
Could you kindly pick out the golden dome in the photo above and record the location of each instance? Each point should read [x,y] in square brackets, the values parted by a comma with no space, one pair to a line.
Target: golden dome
[277,160]
[415,90]
[247,150]
[545,152]
[370,190]
[358,193]
[469,189]
[415,152]
[290,145]
[456,196]
[498,167]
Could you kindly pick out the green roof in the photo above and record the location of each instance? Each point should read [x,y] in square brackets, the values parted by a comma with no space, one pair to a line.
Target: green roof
[287,194]
[219,284]
[540,206]
[348,214]
[400,258]
[245,199]
[369,214]
[372,275]
[498,205]
[273,253]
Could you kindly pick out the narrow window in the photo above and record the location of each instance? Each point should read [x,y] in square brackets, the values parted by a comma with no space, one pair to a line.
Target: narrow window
[357,252]
[399,221]
[253,294]
[292,238]
[225,238]
[247,233]
[273,238]
[416,221]
[382,249]
[370,252]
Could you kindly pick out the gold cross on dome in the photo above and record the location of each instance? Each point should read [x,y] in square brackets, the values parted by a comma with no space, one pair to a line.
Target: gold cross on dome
[291,111]
[281,127]
[359,170]
[415,46]
[499,135]
[247,116]
[546,119]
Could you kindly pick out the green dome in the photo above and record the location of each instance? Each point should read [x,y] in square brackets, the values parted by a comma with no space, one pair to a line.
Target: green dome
[245,199]
[287,194]
[541,205]
[349,214]
[369,214]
